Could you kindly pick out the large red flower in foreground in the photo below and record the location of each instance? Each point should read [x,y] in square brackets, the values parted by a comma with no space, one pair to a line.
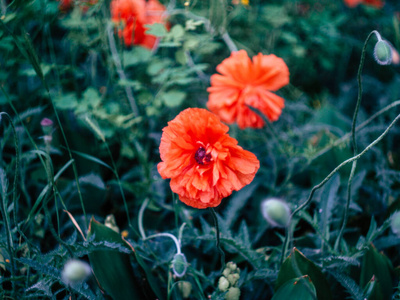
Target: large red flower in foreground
[132,15]
[244,83]
[204,163]
[354,3]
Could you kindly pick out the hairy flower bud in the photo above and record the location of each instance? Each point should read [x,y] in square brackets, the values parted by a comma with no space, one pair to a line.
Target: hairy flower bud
[185,288]
[395,223]
[179,264]
[75,271]
[383,53]
[232,294]
[223,284]
[276,212]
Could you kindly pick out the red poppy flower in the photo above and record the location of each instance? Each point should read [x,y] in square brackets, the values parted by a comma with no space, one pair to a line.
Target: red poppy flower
[244,82]
[374,3]
[204,163]
[65,4]
[134,14]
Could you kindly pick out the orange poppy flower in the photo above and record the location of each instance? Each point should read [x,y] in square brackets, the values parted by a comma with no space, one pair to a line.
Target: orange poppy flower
[134,14]
[244,82]
[374,3]
[204,163]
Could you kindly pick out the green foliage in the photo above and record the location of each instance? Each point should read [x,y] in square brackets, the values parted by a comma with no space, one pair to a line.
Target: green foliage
[109,102]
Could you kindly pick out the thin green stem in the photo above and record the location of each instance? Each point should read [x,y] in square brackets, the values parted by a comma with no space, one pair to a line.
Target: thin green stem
[165,234]
[353,138]
[140,217]
[222,253]
[322,183]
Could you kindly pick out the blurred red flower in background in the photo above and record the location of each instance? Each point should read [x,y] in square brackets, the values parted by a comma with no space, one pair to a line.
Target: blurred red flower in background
[66,5]
[134,14]
[242,83]
[354,3]
[204,163]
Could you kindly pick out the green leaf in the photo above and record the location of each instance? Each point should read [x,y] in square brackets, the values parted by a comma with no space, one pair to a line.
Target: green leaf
[156,29]
[300,288]
[297,265]
[173,98]
[378,265]
[112,269]
[67,101]
[373,290]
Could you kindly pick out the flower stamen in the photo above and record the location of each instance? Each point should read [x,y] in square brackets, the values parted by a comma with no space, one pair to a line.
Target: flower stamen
[201,156]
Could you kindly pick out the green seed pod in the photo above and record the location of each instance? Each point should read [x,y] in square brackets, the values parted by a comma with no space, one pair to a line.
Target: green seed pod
[185,288]
[395,223]
[276,212]
[383,53]
[179,264]
[75,271]
[232,294]
[223,284]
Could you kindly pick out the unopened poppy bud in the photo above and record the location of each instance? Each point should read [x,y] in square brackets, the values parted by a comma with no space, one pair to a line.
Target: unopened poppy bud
[232,294]
[276,212]
[223,284]
[75,271]
[179,264]
[395,223]
[185,288]
[383,53]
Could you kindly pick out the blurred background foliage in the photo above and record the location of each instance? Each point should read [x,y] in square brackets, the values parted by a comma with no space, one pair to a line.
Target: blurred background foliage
[110,103]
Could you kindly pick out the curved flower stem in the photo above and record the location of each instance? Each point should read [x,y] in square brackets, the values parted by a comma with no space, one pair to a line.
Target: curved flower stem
[353,138]
[140,217]
[178,246]
[214,215]
[322,183]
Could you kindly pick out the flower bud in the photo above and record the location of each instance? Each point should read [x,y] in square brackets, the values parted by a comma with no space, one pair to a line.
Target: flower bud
[232,294]
[383,53]
[179,264]
[75,271]
[185,288]
[226,272]
[233,279]
[47,126]
[276,212]
[223,284]
[111,223]
[395,223]
[231,265]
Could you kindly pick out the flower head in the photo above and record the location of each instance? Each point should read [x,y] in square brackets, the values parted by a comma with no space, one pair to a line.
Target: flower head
[132,15]
[374,3]
[243,82]
[204,163]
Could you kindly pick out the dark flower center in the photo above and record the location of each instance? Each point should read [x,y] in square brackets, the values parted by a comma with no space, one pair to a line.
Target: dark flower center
[202,157]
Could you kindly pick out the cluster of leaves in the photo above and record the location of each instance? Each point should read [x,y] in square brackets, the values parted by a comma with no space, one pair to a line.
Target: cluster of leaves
[109,104]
